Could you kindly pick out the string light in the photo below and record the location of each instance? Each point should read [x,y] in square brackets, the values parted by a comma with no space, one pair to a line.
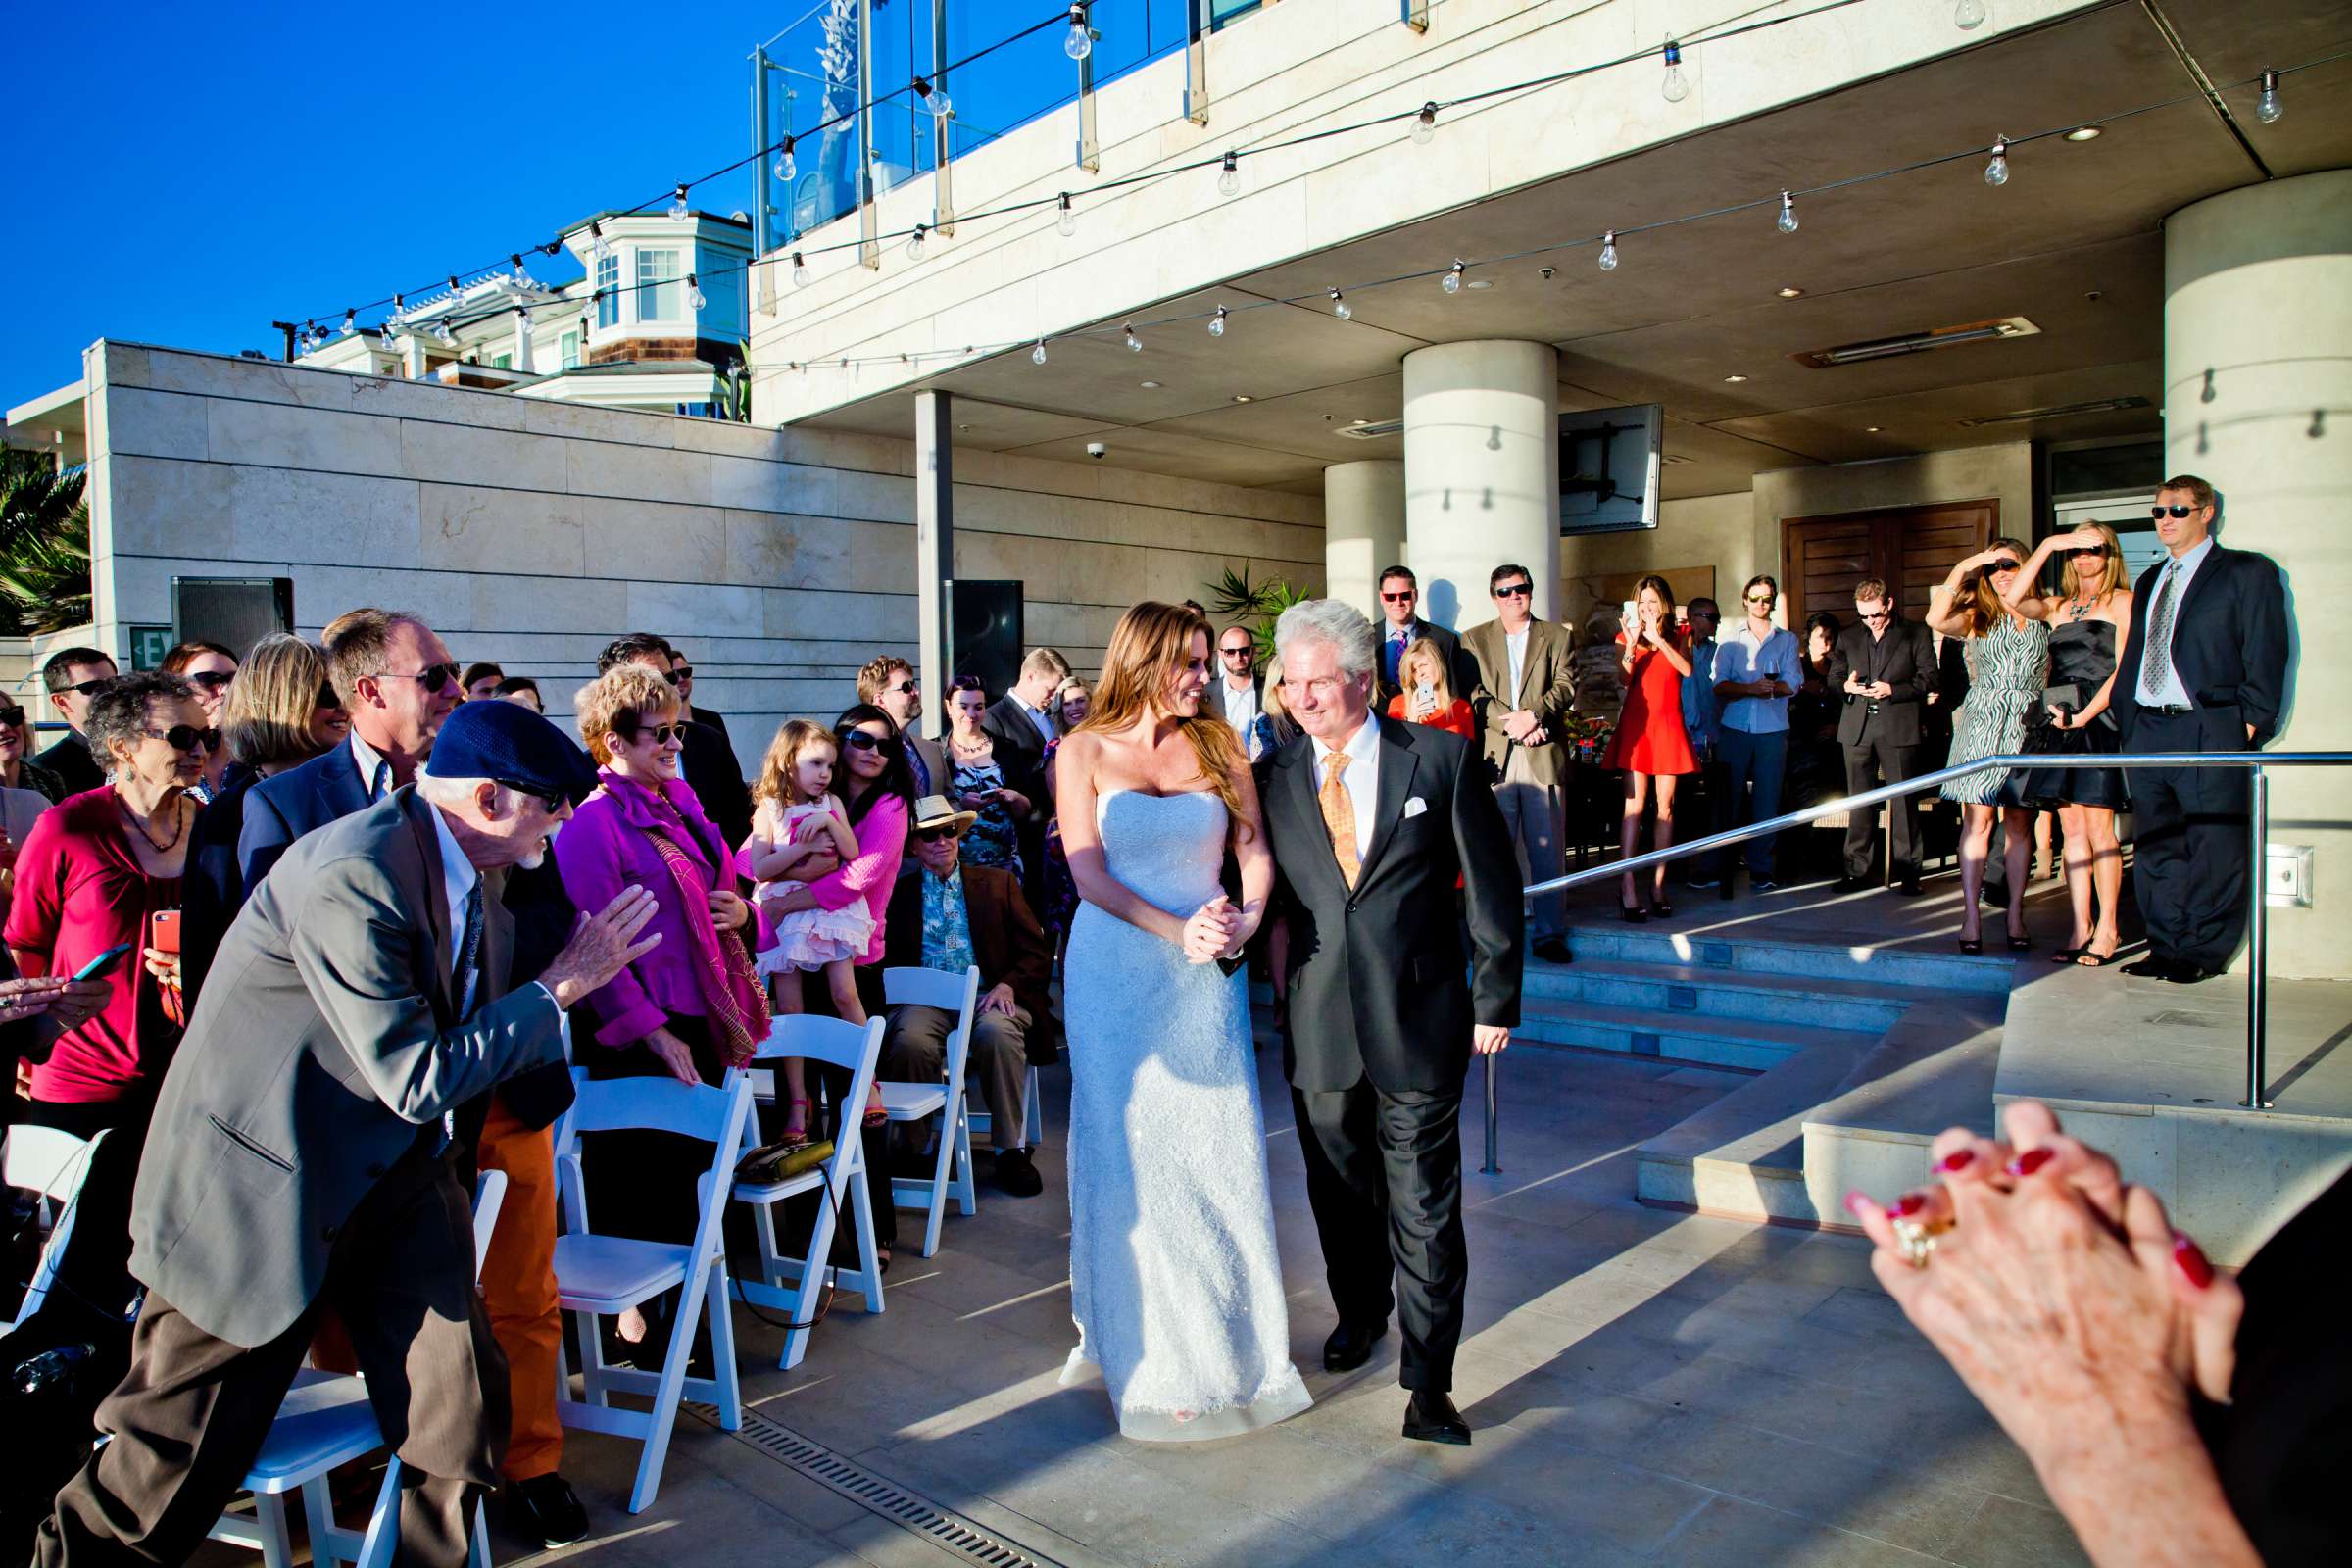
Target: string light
[1036,355]
[1340,306]
[1996,172]
[1425,125]
[679,212]
[694,298]
[1969,15]
[596,236]
[520,276]
[1787,219]
[1079,41]
[801,275]
[934,99]
[1452,283]
[1216,322]
[787,166]
[915,246]
[1135,345]
[351,322]
[2267,107]
[1608,251]
[443,331]
[1675,86]
[1228,178]
[1067,222]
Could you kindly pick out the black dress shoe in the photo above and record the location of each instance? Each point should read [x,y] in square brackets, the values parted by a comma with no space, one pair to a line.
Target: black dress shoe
[1908,886]
[1555,950]
[1016,1174]
[547,1510]
[2151,967]
[1852,884]
[1429,1417]
[1350,1346]
[2188,974]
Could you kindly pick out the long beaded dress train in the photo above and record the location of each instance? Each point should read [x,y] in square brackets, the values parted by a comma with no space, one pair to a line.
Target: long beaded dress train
[1174,1280]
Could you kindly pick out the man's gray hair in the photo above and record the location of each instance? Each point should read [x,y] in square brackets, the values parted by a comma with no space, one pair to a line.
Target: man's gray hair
[1329,620]
[450,792]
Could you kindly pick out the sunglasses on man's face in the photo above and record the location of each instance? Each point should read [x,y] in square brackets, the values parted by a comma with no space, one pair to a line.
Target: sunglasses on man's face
[551,804]
[1874,615]
[186,738]
[2153,511]
[933,835]
[1234,652]
[91,688]
[1514,590]
[858,740]
[684,672]
[435,678]
[1404,598]
[210,680]
[1759,598]
[905,688]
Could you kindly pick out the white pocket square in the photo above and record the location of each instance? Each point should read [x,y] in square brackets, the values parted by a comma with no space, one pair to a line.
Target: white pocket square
[1415,805]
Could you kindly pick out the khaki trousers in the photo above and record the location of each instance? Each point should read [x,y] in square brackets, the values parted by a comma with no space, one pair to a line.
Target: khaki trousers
[915,1051]
[1536,814]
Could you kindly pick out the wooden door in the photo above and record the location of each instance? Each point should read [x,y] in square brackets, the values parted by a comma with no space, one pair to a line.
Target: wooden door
[1911,549]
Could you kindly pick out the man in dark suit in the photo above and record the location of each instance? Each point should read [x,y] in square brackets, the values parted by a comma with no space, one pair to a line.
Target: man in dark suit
[1883,666]
[2203,670]
[952,916]
[298,1160]
[1371,824]
[1021,723]
[1401,626]
[398,683]
[890,684]
[73,676]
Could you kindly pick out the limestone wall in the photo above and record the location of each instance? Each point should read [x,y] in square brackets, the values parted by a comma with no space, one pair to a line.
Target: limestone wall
[530,532]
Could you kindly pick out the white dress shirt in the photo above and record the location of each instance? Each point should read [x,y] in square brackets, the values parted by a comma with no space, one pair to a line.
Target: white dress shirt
[1516,643]
[375,771]
[2179,570]
[458,877]
[1362,778]
[1241,706]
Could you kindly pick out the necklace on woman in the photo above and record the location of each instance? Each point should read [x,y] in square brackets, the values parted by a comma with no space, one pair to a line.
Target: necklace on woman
[965,748]
[180,826]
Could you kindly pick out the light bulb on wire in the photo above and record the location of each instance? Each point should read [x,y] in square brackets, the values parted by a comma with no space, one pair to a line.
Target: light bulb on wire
[1036,355]
[1340,306]
[787,166]
[444,331]
[1425,125]
[1452,283]
[1079,41]
[915,246]
[1608,251]
[1067,222]
[1787,221]
[1675,86]
[800,272]
[1969,15]
[1228,178]
[1135,345]
[2267,107]
[597,246]
[1216,322]
[1996,172]
[679,210]
[351,322]
[695,299]
[520,276]
[934,99]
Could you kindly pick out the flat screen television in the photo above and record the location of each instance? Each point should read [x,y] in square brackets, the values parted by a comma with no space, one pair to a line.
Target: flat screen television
[1609,460]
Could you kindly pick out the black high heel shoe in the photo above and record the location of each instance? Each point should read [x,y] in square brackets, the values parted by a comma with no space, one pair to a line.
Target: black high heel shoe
[1662,909]
[1632,913]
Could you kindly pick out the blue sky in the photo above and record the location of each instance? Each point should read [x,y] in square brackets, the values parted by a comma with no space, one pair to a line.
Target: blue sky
[185,174]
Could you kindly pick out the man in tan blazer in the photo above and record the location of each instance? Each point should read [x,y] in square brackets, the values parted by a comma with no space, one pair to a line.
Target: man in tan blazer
[1525,695]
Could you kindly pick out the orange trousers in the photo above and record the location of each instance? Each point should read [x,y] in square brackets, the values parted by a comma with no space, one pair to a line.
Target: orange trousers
[519,1286]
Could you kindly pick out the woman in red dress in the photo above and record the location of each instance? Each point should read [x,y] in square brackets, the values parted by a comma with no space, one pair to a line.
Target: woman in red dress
[1650,743]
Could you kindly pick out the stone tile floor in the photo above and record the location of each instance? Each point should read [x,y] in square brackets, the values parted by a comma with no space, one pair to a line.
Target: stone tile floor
[1645,1386]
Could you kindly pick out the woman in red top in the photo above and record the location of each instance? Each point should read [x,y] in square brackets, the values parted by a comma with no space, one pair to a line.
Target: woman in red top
[1427,696]
[93,874]
[1650,741]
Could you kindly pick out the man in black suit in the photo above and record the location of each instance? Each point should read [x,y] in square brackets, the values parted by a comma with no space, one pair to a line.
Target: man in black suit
[2203,670]
[72,677]
[1371,824]
[1883,666]
[1021,723]
[1402,625]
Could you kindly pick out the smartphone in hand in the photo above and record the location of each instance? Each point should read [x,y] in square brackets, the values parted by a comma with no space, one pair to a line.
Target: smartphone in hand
[163,931]
[104,964]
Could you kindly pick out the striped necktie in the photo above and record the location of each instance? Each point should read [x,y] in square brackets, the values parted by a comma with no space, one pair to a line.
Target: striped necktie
[2159,656]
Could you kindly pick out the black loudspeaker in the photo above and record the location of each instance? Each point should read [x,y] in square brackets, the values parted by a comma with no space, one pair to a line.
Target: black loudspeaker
[984,630]
[234,611]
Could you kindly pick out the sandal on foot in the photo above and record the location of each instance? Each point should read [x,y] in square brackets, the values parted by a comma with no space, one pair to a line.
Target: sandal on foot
[875,1114]
[796,1137]
[2069,954]
[1972,946]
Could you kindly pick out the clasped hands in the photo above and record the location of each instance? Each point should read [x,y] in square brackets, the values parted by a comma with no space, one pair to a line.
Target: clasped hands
[1523,727]
[1868,688]
[1218,929]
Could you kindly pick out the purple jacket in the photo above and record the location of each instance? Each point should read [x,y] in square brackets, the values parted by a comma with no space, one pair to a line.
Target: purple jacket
[602,850]
[881,845]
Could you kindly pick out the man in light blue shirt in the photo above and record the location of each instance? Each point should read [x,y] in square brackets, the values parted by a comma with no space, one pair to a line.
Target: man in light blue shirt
[1756,672]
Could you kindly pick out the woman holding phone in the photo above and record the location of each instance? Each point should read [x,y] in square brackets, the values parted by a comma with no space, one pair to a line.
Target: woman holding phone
[1650,745]
[978,782]
[91,880]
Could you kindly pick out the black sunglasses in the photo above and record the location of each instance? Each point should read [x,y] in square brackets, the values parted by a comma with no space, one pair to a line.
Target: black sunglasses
[2002,565]
[1515,590]
[1875,615]
[932,835]
[91,688]
[435,679]
[11,717]
[551,804]
[905,688]
[1404,598]
[187,737]
[2153,511]
[857,740]
[682,672]
[2085,552]
[1235,653]
[327,697]
[210,680]
[662,734]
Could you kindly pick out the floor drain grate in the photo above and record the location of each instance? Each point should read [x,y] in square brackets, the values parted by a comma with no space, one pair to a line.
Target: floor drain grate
[942,1527]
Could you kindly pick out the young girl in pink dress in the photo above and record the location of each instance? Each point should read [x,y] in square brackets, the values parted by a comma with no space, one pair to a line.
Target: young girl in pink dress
[797,815]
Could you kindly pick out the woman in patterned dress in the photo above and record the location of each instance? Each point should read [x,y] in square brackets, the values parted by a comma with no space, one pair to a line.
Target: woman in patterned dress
[2008,662]
[977,783]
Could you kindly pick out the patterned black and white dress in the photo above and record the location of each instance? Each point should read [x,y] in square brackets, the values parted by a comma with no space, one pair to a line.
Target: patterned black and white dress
[2007,670]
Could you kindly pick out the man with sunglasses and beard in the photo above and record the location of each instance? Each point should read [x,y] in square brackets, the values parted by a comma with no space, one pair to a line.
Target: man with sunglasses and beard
[2204,669]
[73,676]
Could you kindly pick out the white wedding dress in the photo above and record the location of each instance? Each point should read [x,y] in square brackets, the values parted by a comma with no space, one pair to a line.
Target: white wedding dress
[1174,1281]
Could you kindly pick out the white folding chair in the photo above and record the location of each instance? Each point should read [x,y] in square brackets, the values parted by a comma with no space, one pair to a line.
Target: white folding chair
[326,1421]
[952,1171]
[1033,1119]
[796,1284]
[53,1164]
[598,1276]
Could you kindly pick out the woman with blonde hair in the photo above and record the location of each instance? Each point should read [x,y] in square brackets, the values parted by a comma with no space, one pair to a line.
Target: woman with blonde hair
[1174,1280]
[2008,656]
[2090,617]
[1428,697]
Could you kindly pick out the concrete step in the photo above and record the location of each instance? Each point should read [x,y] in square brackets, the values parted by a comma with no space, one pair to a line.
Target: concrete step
[1933,1069]
[1683,990]
[1752,1045]
[1659,942]
[1743,1155]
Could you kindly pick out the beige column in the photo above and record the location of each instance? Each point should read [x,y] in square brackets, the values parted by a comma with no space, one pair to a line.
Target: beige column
[1363,530]
[2258,400]
[1482,471]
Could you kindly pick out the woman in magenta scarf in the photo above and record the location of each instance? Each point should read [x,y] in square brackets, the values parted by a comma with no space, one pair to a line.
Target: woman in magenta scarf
[690,1008]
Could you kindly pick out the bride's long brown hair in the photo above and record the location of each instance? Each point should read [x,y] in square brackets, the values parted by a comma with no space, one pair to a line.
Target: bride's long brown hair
[1149,649]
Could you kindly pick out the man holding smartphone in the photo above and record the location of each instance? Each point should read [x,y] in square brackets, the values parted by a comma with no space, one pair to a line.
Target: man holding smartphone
[1882,667]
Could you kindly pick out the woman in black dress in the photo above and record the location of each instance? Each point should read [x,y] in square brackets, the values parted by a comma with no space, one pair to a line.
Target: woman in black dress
[2088,617]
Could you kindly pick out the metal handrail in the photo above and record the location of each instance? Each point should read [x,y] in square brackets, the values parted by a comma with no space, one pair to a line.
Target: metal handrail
[2258,920]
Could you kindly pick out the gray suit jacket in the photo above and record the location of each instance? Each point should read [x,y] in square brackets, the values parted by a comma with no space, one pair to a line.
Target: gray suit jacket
[1546,686]
[324,1047]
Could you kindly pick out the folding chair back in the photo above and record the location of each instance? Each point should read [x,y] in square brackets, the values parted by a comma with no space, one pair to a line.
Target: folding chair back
[795,1284]
[53,1164]
[952,1170]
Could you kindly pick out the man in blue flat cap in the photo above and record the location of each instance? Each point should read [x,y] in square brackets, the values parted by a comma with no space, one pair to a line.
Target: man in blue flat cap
[298,1158]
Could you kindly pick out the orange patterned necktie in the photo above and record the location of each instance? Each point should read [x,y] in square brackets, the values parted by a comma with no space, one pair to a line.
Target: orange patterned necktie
[1339,815]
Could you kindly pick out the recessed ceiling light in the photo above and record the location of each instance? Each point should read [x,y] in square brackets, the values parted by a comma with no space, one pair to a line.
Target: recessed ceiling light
[1792,293]
[1150,386]
[1360,421]
[1735,378]
[1242,397]
[1871,428]
[2084,133]
[1482,283]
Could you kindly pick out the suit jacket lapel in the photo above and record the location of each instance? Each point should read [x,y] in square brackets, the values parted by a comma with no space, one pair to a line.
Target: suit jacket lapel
[436,897]
[1295,780]
[1399,757]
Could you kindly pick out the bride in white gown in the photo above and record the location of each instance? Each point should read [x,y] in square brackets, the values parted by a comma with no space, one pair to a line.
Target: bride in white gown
[1174,1281]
